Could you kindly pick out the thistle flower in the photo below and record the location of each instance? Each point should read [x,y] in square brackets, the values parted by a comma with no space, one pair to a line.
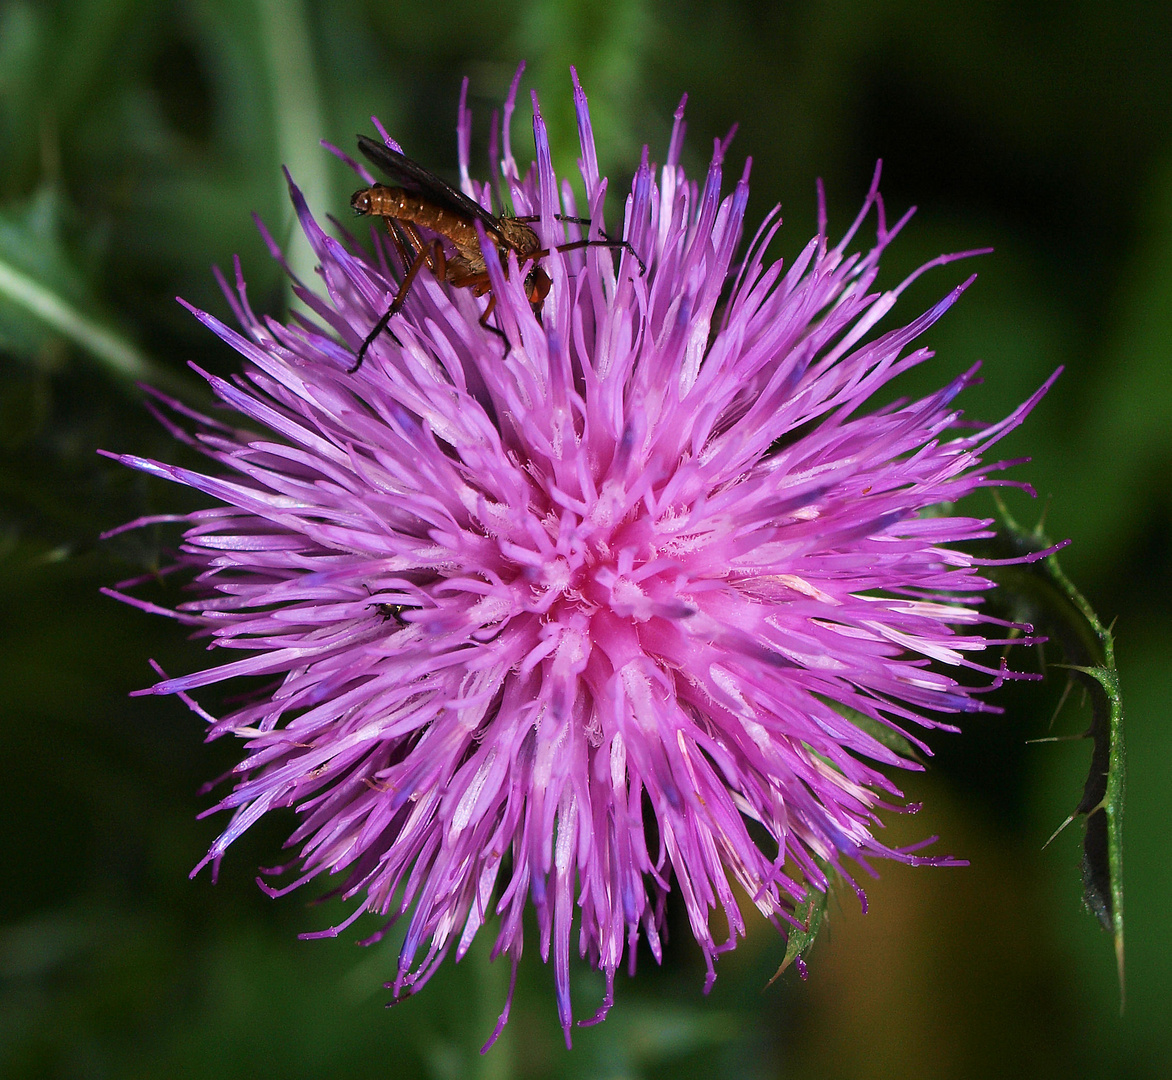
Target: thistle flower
[610,602]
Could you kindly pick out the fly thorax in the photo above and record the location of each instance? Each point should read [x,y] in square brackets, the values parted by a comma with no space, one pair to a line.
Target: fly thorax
[519,237]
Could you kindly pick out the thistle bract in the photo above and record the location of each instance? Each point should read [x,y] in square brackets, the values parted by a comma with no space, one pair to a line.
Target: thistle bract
[603,601]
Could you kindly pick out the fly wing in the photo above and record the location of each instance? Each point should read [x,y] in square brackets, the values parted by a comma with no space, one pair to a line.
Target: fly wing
[413,177]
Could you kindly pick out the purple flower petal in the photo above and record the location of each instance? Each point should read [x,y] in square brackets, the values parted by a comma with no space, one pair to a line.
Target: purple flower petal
[580,612]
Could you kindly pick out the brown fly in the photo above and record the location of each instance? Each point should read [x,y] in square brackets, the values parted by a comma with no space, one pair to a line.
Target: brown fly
[423,201]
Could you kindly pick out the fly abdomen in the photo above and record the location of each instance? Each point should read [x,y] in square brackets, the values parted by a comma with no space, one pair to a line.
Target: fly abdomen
[400,205]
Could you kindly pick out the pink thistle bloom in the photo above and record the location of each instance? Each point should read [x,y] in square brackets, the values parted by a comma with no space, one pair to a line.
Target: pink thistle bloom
[588,609]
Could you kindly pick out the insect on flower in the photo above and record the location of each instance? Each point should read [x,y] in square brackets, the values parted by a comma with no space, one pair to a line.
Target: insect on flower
[422,199]
[657,604]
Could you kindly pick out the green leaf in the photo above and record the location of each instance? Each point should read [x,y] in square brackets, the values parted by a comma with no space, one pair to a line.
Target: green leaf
[882,733]
[41,292]
[800,939]
[1057,609]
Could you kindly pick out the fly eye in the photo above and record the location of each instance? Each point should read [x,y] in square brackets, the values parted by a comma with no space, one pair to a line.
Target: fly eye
[360,201]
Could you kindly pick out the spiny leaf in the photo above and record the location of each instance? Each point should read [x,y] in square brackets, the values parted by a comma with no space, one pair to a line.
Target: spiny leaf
[1059,610]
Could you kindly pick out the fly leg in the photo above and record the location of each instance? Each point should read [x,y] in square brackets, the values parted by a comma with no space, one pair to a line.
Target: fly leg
[488,308]
[463,278]
[574,245]
[614,245]
[430,255]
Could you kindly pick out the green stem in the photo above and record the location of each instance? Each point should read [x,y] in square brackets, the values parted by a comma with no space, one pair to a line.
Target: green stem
[118,354]
[288,45]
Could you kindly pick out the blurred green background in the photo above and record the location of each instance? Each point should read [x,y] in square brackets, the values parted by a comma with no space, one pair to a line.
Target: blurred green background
[136,139]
